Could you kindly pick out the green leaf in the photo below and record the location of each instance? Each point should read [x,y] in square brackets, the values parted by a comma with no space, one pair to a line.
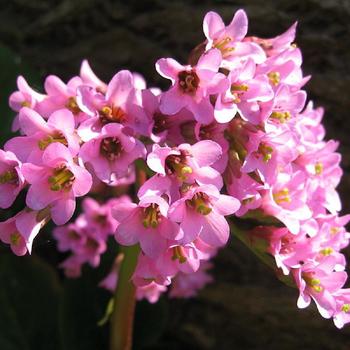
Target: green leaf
[29,299]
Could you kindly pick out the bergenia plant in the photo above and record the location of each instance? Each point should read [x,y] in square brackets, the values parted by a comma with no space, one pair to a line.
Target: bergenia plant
[231,141]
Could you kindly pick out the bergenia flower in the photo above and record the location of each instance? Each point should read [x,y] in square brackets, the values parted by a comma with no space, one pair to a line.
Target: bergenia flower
[11,178]
[192,86]
[56,183]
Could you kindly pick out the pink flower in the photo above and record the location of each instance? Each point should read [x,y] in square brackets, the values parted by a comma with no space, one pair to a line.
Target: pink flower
[40,134]
[278,44]
[61,96]
[24,97]
[342,312]
[319,283]
[192,86]
[187,163]
[201,212]
[56,183]
[229,39]
[119,104]
[11,178]
[70,237]
[146,223]
[112,152]
[245,91]
[21,230]
[286,200]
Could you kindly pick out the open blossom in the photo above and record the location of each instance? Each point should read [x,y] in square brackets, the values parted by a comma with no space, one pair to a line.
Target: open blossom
[112,152]
[146,223]
[319,283]
[21,230]
[11,178]
[229,39]
[56,183]
[187,163]
[60,127]
[119,104]
[191,86]
[201,212]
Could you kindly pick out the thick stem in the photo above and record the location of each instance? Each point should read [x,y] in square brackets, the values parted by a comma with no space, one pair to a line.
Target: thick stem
[121,325]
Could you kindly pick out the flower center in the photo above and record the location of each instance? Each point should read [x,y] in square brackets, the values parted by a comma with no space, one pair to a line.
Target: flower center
[112,114]
[223,46]
[188,82]
[176,164]
[318,168]
[15,238]
[56,137]
[178,254]
[72,105]
[326,251]
[281,117]
[265,151]
[200,203]
[345,308]
[9,177]
[274,78]
[161,123]
[313,283]
[282,196]
[151,216]
[73,235]
[61,179]
[111,148]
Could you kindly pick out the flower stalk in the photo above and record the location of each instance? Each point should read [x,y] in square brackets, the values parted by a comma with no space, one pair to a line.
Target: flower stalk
[121,324]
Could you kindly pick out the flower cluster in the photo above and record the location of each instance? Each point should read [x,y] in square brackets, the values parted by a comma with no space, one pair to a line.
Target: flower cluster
[232,135]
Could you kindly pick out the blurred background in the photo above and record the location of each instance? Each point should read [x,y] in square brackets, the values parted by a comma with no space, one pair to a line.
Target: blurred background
[246,307]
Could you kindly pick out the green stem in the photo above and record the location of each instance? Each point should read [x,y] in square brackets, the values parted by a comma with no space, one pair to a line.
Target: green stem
[121,325]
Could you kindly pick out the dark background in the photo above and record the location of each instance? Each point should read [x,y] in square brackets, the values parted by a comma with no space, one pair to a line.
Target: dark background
[246,308]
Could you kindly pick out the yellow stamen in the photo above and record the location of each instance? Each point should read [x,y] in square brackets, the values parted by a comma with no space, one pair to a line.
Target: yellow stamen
[345,308]
[179,255]
[9,176]
[222,45]
[15,238]
[45,142]
[282,196]
[326,251]
[334,230]
[25,104]
[282,117]
[318,168]
[200,203]
[72,105]
[62,178]
[266,151]
[274,78]
[239,87]
[151,216]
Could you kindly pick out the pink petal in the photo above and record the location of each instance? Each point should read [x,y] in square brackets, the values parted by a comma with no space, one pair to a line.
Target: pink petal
[63,120]
[129,229]
[212,24]
[120,87]
[31,122]
[210,60]
[169,68]
[227,205]
[62,210]
[56,153]
[172,101]
[83,181]
[39,196]
[238,27]
[206,152]
[216,230]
